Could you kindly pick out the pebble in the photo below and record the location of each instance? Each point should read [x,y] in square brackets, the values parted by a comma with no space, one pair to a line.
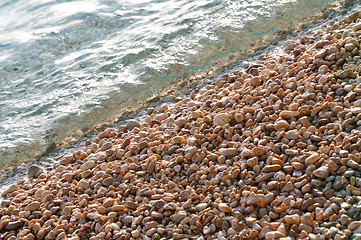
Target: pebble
[84,184]
[11,188]
[292,219]
[224,207]
[289,114]
[288,187]
[272,168]
[292,135]
[132,124]
[352,164]
[353,225]
[258,151]
[228,152]
[33,170]
[32,206]
[312,159]
[345,74]
[281,124]
[321,172]
[14,225]
[274,235]
[221,119]
[87,165]
[201,206]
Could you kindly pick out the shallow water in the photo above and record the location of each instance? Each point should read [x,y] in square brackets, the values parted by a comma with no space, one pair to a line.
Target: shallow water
[66,66]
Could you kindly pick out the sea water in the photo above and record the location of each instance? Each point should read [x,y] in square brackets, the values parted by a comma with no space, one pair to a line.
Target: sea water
[68,65]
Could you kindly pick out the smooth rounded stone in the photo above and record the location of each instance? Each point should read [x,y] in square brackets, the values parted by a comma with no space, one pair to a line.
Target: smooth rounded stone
[66,211]
[281,124]
[173,149]
[87,165]
[353,225]
[356,236]
[322,172]
[323,69]
[48,198]
[32,206]
[292,135]
[258,151]
[221,119]
[178,140]
[312,159]
[11,188]
[307,219]
[33,170]
[108,181]
[104,134]
[128,219]
[279,176]
[352,164]
[14,225]
[84,184]
[323,79]
[349,46]
[158,203]
[68,177]
[180,122]
[356,27]
[349,173]
[274,235]
[255,81]
[272,168]
[3,224]
[162,108]
[201,206]
[246,153]
[84,174]
[345,73]
[223,207]
[340,91]
[288,187]
[252,162]
[291,152]
[190,151]
[177,168]
[316,182]
[131,123]
[289,114]
[228,152]
[39,194]
[135,233]
[180,216]
[292,219]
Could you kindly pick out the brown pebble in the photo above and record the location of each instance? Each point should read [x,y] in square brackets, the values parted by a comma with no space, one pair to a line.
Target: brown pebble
[14,225]
[322,172]
[221,119]
[32,206]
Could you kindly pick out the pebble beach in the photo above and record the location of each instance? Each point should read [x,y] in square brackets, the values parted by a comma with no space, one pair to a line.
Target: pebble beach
[268,151]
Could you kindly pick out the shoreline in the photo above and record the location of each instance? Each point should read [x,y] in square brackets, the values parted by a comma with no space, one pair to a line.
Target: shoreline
[73,141]
[22,154]
[171,138]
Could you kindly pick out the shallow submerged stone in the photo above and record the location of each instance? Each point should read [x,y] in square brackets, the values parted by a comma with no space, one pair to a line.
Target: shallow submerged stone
[11,188]
[33,170]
